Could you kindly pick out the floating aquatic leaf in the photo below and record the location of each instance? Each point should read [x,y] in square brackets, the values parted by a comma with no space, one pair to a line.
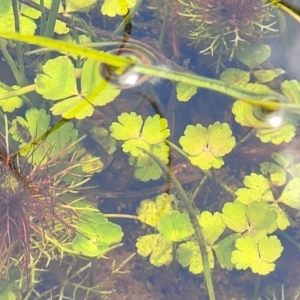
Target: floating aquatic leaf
[138,136]
[157,247]
[282,221]
[95,234]
[34,126]
[261,216]
[234,216]
[91,164]
[188,255]
[102,136]
[252,116]
[112,8]
[252,55]
[264,76]
[212,226]
[79,5]
[206,146]
[235,76]
[277,135]
[253,219]
[291,194]
[224,249]
[258,255]
[257,188]
[291,89]
[175,226]
[12,103]
[185,91]
[59,83]
[150,212]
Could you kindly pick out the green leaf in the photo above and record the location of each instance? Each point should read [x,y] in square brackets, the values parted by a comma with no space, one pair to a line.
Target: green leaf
[257,189]
[88,247]
[150,212]
[206,147]
[212,226]
[282,218]
[257,255]
[112,8]
[175,226]
[12,103]
[95,234]
[157,247]
[291,89]
[136,135]
[253,116]
[146,168]
[291,194]
[260,216]
[252,55]
[264,76]
[34,126]
[234,216]
[224,249]
[79,5]
[5,7]
[58,80]
[59,83]
[185,91]
[235,76]
[188,255]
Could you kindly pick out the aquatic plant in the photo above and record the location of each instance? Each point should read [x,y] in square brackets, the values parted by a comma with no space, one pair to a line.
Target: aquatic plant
[218,26]
[31,188]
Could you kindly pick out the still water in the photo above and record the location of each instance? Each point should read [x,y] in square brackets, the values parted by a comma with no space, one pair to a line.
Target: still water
[182,138]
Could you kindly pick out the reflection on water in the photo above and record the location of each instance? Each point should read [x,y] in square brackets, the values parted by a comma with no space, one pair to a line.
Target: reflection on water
[175,167]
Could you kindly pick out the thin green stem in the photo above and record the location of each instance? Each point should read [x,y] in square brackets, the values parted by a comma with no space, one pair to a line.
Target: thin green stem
[154,71]
[208,83]
[10,61]
[18,92]
[164,27]
[121,216]
[175,147]
[43,18]
[20,56]
[289,239]
[49,32]
[198,188]
[194,220]
[256,286]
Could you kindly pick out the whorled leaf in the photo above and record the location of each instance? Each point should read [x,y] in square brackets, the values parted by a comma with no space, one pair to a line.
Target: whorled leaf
[150,212]
[206,146]
[259,255]
[157,247]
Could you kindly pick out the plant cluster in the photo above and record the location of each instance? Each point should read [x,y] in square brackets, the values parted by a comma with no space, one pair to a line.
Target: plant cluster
[219,26]
[46,225]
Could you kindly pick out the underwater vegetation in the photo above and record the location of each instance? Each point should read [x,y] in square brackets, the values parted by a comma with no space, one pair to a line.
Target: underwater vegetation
[96,119]
[219,26]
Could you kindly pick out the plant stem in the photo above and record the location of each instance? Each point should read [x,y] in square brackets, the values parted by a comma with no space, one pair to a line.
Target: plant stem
[194,220]
[198,188]
[155,71]
[18,92]
[20,58]
[43,18]
[289,239]
[256,286]
[49,31]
